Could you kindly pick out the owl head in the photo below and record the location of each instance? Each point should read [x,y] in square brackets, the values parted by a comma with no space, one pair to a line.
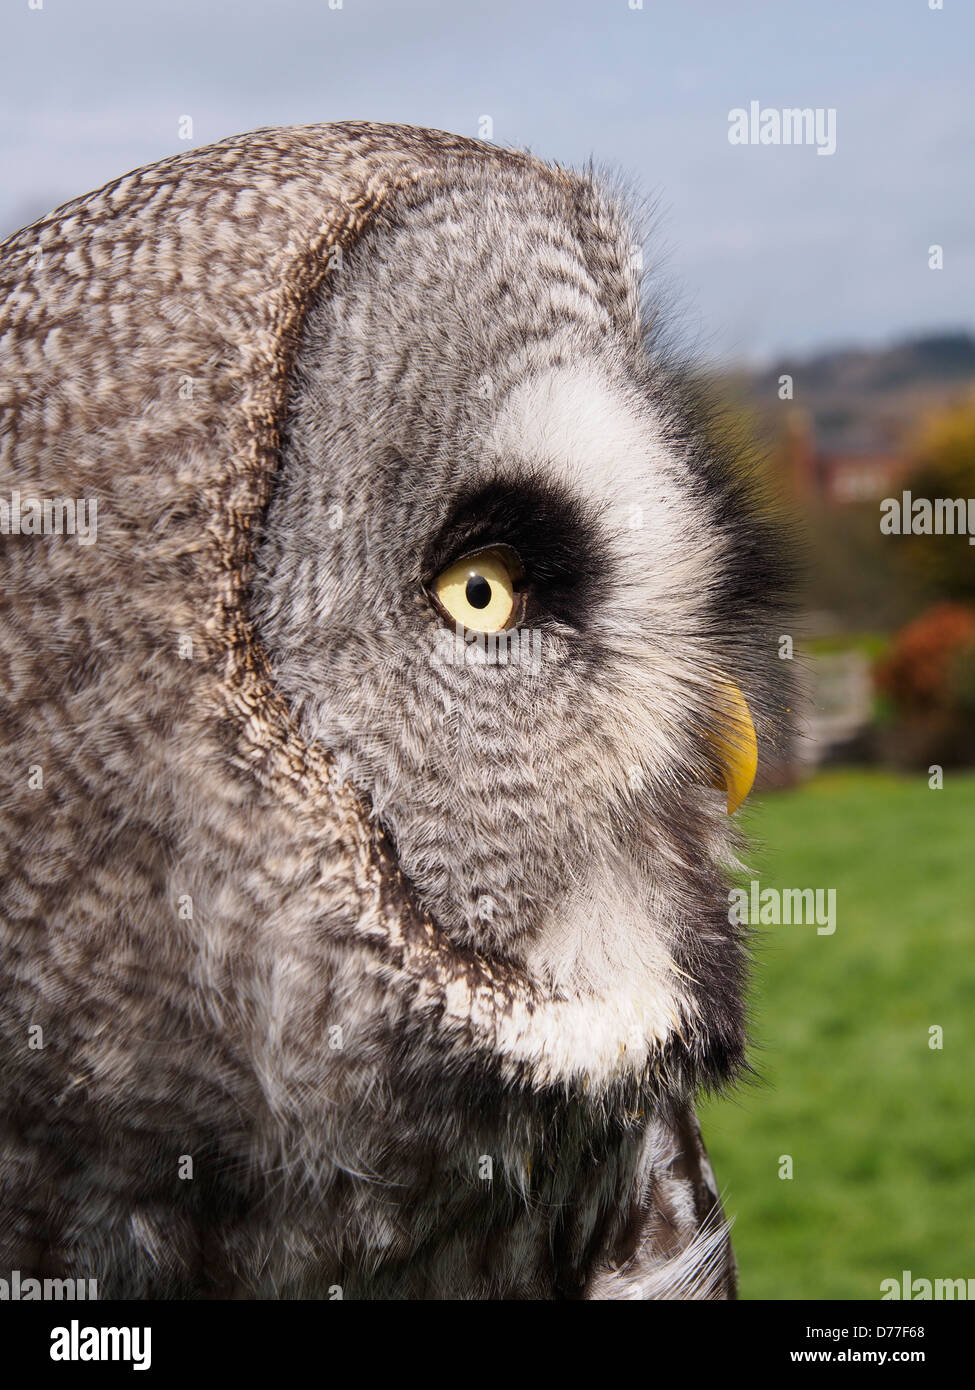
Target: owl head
[367,806]
[511,583]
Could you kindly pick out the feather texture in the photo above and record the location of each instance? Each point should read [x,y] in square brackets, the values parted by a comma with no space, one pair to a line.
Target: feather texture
[419,962]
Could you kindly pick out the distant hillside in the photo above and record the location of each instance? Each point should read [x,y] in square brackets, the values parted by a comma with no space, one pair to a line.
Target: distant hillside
[861,399]
[940,358]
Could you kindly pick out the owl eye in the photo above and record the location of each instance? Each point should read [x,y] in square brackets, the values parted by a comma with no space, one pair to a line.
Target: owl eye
[482,591]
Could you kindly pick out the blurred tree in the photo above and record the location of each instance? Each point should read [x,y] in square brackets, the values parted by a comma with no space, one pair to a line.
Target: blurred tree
[850,577]
[920,672]
[945,468]
[928,678]
[855,574]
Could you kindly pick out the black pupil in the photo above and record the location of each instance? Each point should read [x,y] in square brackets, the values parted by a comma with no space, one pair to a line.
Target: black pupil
[478,591]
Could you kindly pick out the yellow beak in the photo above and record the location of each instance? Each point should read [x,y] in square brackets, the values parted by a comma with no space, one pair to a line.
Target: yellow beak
[736,745]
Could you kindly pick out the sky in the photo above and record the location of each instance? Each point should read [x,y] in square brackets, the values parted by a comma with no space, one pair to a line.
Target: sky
[758,250]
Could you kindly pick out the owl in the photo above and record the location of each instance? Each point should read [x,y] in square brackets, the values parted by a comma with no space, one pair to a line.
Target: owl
[366,821]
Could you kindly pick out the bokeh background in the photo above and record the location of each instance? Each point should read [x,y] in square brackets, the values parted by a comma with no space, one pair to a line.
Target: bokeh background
[838,339]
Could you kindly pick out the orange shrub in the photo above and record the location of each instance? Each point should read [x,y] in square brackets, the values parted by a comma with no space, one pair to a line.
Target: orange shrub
[920,674]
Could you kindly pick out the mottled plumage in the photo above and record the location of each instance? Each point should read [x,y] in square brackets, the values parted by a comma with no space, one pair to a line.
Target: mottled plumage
[420,960]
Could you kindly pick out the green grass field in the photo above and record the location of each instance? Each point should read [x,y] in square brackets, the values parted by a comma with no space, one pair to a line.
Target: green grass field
[880,1127]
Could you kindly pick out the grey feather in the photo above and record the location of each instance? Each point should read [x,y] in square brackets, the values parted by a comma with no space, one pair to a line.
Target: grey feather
[420,961]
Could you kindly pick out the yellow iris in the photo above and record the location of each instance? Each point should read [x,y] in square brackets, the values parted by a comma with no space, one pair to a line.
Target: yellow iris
[480,591]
